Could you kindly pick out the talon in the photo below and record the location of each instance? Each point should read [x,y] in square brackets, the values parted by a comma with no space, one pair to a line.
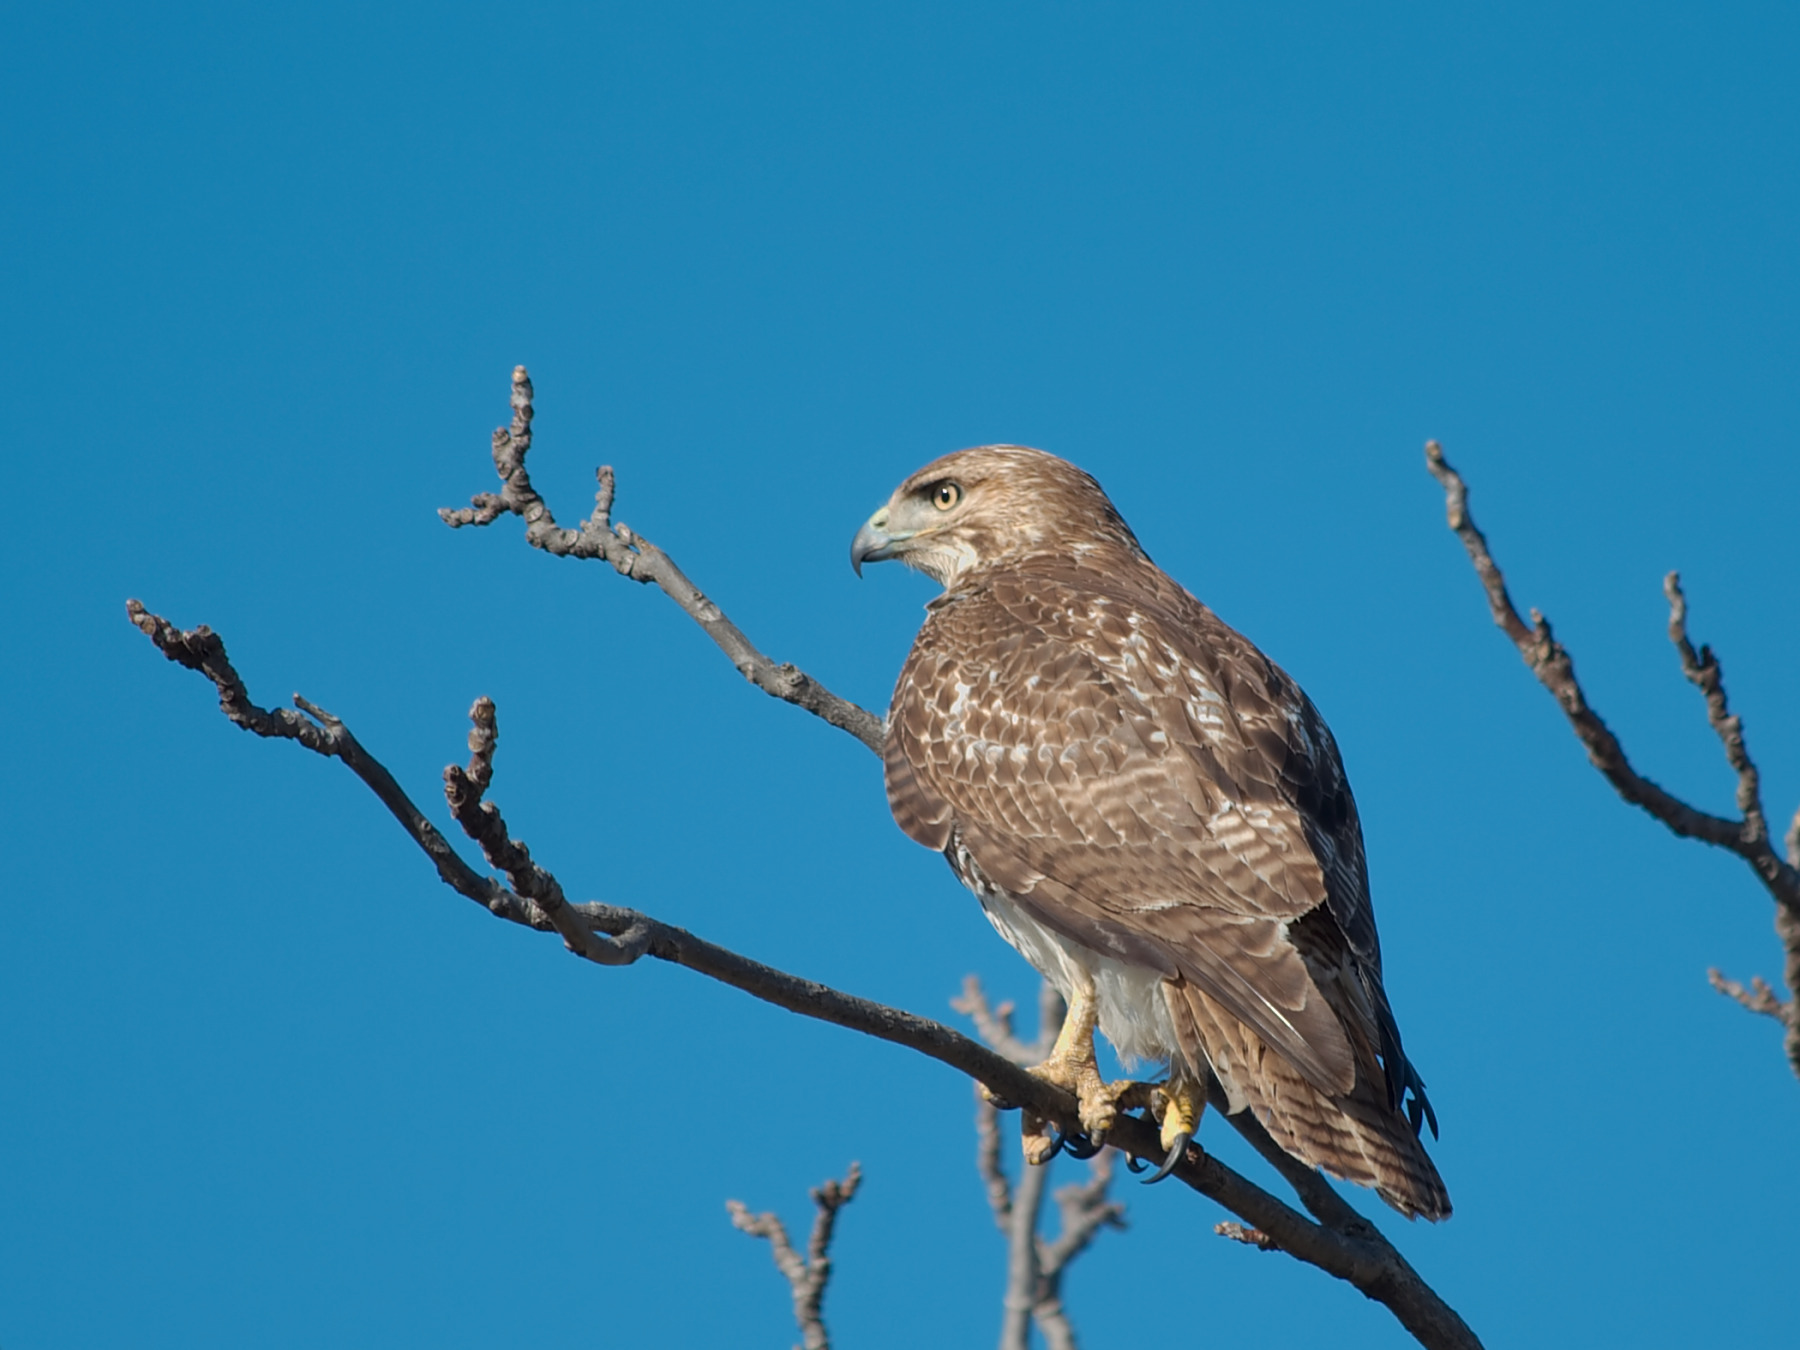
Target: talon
[994,1099]
[1078,1145]
[1182,1103]
[1176,1153]
[1133,1163]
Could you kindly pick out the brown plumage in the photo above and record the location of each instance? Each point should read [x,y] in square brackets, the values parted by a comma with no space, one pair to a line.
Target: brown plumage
[1147,804]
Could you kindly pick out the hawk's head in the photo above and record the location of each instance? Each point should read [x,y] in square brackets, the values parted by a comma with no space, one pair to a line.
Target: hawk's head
[990,505]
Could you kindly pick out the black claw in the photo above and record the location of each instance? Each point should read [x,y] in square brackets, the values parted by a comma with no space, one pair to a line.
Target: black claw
[1176,1154]
[1079,1145]
[1074,1143]
[1133,1163]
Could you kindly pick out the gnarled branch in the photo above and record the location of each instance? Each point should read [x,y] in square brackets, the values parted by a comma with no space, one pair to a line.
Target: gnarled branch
[1747,836]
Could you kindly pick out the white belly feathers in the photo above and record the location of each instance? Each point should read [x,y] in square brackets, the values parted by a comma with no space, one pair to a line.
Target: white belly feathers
[1133,1013]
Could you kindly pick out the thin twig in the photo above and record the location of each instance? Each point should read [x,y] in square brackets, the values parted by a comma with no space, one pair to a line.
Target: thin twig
[1016,1214]
[806,1276]
[1085,1209]
[1747,836]
[994,1024]
[482,822]
[1024,1264]
[1758,998]
[987,1161]
[1250,1237]
[632,555]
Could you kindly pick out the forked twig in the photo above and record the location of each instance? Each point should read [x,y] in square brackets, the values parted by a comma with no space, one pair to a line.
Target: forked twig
[632,555]
[806,1275]
[1747,836]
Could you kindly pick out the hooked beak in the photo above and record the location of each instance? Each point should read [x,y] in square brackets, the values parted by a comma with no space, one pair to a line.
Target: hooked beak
[873,543]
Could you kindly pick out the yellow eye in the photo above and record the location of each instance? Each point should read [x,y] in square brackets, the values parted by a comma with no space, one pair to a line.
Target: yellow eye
[945,495]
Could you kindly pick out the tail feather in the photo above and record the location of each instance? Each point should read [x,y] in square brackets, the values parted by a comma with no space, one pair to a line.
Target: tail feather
[1357,1137]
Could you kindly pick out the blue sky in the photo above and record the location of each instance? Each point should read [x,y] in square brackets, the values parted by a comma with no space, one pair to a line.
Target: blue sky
[267,1082]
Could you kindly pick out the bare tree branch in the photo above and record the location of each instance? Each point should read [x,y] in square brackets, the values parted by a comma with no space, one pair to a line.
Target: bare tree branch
[1703,672]
[1748,836]
[1250,1237]
[1027,1299]
[808,1275]
[1758,998]
[994,1024]
[1084,1209]
[987,1161]
[1024,1266]
[1342,1243]
[1035,1265]
[634,556]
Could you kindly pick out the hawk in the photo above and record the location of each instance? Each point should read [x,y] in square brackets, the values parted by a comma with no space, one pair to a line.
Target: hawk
[1153,813]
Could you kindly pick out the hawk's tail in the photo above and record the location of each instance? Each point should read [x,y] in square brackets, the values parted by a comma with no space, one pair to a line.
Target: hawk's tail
[1357,1137]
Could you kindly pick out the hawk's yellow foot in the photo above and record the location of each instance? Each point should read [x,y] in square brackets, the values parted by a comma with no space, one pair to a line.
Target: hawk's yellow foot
[1042,1140]
[1180,1102]
[1073,1067]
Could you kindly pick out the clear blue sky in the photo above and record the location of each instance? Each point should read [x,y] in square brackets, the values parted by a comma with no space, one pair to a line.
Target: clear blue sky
[266,1082]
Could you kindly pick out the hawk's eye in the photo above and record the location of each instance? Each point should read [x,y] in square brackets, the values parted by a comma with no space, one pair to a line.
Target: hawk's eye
[945,495]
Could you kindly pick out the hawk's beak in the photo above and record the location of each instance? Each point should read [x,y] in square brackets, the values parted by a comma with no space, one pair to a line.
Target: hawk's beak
[873,543]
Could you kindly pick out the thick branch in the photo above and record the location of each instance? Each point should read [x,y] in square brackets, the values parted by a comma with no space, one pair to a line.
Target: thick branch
[1748,836]
[632,555]
[808,1275]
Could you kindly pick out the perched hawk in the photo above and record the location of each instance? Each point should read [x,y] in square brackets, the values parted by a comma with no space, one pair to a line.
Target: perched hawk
[1153,813]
